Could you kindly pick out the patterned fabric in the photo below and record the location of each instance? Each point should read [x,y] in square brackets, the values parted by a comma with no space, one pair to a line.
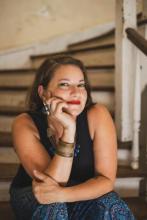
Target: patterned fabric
[107,207]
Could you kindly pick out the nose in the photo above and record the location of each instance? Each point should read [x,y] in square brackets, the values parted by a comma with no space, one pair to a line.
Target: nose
[74,89]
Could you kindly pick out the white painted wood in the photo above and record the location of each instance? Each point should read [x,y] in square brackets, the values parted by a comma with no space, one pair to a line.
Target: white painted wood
[124,157]
[106,98]
[124,59]
[136,113]
[127,187]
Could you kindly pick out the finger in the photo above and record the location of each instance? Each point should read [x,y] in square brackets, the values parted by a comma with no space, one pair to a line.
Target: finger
[60,107]
[54,105]
[40,176]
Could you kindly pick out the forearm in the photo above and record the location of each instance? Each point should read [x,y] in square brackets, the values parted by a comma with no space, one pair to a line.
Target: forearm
[91,189]
[59,167]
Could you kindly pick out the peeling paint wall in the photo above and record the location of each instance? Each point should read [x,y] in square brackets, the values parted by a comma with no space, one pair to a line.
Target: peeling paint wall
[25,22]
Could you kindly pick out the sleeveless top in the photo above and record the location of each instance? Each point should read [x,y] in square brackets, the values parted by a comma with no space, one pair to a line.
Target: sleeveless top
[83,161]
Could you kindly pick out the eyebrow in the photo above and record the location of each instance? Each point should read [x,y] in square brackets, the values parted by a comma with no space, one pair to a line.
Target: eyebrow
[82,80]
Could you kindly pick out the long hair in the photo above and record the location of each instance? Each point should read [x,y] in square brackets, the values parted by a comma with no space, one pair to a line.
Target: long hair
[44,75]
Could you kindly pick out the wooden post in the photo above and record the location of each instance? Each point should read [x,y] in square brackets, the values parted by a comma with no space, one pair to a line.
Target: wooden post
[143,129]
[125,68]
[136,112]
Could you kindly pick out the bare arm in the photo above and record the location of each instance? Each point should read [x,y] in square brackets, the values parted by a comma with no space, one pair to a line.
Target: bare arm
[105,154]
[32,153]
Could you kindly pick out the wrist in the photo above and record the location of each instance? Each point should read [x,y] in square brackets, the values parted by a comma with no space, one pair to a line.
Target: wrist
[68,135]
[64,194]
[65,149]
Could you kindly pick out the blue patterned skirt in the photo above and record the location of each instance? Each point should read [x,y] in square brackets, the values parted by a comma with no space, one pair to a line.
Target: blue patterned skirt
[106,207]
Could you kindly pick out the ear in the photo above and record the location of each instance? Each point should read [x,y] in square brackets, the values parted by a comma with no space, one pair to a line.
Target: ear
[40,91]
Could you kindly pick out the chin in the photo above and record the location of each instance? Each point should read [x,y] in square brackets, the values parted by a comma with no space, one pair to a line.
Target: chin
[75,112]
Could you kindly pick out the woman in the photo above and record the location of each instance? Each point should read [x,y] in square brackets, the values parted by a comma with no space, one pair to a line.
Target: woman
[68,150]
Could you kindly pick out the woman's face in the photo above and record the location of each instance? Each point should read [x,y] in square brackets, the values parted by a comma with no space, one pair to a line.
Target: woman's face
[68,84]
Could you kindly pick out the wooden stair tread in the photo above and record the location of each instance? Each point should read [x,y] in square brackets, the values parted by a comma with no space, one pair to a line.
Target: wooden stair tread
[8,171]
[19,71]
[6,211]
[5,139]
[127,171]
[71,52]
[97,67]
[138,206]
[14,88]
[13,110]
[96,39]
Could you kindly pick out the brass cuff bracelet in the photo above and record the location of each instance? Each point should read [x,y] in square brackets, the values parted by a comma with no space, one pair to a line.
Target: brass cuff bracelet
[65,149]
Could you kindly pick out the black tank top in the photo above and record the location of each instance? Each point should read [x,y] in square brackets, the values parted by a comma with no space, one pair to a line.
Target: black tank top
[83,162]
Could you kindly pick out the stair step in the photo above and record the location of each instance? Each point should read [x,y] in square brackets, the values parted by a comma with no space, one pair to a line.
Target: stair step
[9,111]
[127,171]
[17,99]
[13,98]
[16,78]
[101,78]
[107,38]
[100,55]
[8,155]
[138,206]
[5,139]
[6,211]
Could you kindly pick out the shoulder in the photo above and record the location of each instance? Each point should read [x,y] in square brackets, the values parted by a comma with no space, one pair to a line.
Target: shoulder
[98,112]
[23,123]
[98,117]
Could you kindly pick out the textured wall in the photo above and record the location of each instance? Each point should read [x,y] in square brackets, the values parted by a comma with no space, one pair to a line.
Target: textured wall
[25,22]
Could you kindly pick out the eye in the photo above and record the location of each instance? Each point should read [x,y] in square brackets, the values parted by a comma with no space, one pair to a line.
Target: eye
[81,85]
[63,85]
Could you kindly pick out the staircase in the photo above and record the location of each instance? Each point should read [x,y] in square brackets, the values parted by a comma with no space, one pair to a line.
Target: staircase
[98,56]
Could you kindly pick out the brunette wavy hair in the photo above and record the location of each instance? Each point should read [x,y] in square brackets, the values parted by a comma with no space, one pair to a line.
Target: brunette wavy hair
[44,75]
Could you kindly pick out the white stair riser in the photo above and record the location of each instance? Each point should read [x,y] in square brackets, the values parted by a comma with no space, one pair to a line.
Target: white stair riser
[106,98]
[127,187]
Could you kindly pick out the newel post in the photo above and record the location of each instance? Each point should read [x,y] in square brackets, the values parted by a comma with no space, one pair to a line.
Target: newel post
[125,68]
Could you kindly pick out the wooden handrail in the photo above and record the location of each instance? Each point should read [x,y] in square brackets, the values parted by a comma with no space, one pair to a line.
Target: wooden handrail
[136,38]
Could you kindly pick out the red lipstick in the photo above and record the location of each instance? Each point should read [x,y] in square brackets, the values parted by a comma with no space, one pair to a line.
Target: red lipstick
[74,102]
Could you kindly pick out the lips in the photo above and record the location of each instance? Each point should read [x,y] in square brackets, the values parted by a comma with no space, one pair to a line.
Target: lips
[74,102]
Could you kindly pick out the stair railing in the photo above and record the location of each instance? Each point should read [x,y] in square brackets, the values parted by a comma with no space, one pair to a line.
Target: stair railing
[141,44]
